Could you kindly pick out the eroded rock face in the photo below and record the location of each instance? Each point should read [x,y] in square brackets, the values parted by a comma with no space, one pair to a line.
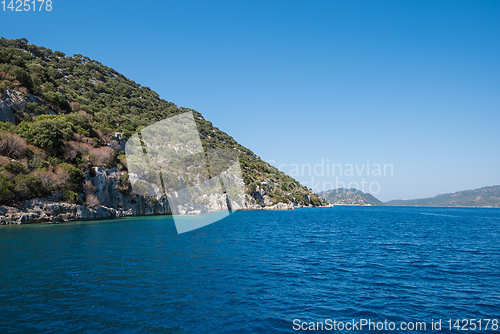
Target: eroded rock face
[280,206]
[43,210]
[260,196]
[6,114]
[12,100]
[116,202]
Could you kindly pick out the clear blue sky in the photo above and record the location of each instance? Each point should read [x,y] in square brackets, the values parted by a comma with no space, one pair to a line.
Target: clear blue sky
[414,84]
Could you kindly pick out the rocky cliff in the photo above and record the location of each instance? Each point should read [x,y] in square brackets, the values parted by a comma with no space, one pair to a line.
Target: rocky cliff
[114,201]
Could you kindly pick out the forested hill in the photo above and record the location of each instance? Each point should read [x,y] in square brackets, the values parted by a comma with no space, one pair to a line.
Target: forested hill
[343,196]
[62,116]
[482,197]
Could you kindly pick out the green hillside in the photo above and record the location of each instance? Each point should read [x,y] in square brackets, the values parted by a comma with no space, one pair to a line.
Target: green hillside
[482,197]
[63,115]
[351,196]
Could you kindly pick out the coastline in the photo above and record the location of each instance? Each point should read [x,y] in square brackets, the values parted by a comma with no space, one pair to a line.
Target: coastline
[76,212]
[114,217]
[428,206]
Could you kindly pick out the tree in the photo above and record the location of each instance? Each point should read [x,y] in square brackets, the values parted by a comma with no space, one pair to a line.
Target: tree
[28,186]
[46,134]
[36,108]
[72,176]
[6,187]
[59,54]
[37,163]
[251,188]
[71,196]
[15,167]
[78,120]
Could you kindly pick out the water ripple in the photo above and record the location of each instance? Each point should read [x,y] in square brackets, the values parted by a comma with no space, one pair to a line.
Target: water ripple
[253,272]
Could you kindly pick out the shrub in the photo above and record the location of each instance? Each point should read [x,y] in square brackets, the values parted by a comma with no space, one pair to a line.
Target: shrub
[78,120]
[56,99]
[298,198]
[124,185]
[92,201]
[28,186]
[78,146]
[7,126]
[97,142]
[36,108]
[73,177]
[82,132]
[251,188]
[92,172]
[71,196]
[62,174]
[59,54]
[6,187]
[48,181]
[15,167]
[103,156]
[53,161]
[12,145]
[46,134]
[38,163]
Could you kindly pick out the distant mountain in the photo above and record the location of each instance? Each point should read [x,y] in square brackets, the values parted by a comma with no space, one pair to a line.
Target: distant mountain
[351,196]
[482,197]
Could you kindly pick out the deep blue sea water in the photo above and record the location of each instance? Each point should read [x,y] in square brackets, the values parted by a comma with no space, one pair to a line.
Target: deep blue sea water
[253,272]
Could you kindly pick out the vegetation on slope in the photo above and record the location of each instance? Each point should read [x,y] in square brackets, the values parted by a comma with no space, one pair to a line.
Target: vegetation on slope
[70,109]
[351,196]
[482,197]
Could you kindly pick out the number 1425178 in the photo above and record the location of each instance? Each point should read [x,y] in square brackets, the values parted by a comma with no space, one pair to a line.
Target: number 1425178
[26,5]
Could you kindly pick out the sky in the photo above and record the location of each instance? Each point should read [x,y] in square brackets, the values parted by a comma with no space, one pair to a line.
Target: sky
[328,91]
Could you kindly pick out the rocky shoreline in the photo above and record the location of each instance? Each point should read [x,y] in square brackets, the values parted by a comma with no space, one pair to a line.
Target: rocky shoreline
[45,212]
[115,203]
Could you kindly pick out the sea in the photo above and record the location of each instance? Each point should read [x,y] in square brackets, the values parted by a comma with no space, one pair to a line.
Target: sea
[324,270]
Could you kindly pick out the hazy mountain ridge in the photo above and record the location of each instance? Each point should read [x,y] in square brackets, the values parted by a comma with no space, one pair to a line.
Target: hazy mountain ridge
[352,196]
[481,197]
